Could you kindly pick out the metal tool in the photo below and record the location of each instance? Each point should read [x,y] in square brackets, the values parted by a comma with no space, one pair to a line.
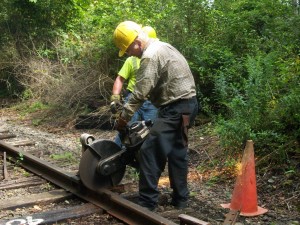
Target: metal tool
[103,162]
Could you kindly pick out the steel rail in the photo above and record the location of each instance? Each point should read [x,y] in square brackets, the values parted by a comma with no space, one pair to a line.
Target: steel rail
[111,202]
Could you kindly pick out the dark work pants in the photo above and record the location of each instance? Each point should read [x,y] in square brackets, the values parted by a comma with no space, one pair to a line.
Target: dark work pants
[166,141]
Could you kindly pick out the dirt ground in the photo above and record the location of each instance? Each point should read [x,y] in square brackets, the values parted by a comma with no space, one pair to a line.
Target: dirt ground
[211,178]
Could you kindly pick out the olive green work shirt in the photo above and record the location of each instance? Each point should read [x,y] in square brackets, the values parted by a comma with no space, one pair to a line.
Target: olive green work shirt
[164,77]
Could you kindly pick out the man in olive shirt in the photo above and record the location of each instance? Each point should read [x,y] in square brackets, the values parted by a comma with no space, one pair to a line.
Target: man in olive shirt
[166,79]
[128,73]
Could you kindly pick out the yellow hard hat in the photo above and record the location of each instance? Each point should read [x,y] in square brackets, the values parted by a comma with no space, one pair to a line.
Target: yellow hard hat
[125,34]
[149,31]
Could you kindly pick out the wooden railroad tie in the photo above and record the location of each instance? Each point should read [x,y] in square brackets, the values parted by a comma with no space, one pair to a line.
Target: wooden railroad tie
[5,173]
[3,130]
[6,136]
[21,143]
[33,199]
[52,217]
[231,217]
[21,183]
[189,220]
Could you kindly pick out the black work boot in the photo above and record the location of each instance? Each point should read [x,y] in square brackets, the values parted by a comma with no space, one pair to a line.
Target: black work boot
[150,208]
[179,204]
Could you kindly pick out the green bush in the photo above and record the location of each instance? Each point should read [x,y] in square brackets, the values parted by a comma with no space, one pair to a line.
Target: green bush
[265,109]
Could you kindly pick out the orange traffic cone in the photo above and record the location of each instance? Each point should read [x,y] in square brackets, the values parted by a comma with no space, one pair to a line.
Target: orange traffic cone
[244,196]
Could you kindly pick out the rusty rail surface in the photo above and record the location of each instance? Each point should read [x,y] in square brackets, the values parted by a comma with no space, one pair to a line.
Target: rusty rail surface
[109,201]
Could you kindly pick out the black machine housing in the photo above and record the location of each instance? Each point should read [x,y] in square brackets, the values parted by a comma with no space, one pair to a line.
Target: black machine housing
[103,162]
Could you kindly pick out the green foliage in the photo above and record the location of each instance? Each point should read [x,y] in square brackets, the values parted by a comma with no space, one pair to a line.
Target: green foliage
[30,107]
[27,94]
[265,109]
[9,86]
[252,82]
[20,158]
[36,122]
[244,56]
[133,173]
[212,181]
[66,156]
[47,187]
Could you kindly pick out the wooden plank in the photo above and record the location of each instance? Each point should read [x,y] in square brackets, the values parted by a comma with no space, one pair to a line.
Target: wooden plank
[52,217]
[5,173]
[189,220]
[231,217]
[34,199]
[21,143]
[3,130]
[23,182]
[6,136]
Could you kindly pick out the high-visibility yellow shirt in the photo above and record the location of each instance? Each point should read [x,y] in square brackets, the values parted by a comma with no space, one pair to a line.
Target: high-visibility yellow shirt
[129,70]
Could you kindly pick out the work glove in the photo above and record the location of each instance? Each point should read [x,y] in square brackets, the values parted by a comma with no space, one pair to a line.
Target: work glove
[120,124]
[115,105]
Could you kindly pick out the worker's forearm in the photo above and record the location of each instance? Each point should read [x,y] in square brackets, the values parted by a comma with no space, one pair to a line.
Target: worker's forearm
[116,89]
[118,84]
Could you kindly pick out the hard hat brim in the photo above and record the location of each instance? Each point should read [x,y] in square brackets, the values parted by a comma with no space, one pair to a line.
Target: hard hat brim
[122,52]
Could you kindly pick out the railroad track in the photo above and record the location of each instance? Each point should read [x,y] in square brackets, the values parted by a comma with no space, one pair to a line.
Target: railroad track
[54,193]
[68,186]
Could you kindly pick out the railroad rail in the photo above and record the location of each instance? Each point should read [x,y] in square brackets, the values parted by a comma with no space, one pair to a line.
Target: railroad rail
[112,203]
[102,201]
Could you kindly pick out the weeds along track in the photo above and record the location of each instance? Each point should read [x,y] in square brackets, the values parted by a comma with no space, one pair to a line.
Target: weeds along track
[36,189]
